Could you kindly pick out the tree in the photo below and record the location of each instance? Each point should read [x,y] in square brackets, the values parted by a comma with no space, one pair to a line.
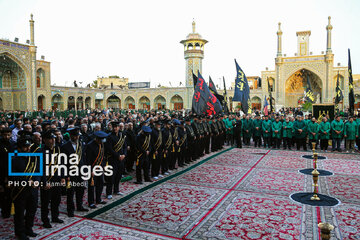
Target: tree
[307,106]
[94,84]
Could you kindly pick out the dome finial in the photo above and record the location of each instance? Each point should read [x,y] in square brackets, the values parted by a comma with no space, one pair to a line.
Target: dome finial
[193,26]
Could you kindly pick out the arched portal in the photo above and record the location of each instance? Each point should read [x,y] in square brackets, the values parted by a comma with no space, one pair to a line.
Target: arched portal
[40,78]
[71,102]
[159,102]
[41,102]
[113,102]
[144,103]
[296,85]
[88,102]
[1,104]
[80,103]
[57,102]
[256,103]
[176,102]
[12,76]
[271,84]
[129,102]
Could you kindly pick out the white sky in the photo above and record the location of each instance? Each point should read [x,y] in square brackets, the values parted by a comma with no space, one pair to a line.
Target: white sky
[140,39]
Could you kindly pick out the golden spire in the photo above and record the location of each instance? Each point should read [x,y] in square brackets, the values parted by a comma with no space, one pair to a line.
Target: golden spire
[329,26]
[279,31]
[193,26]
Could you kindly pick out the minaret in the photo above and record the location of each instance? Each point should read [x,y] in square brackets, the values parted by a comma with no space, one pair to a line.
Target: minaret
[329,27]
[193,54]
[32,83]
[279,45]
[32,39]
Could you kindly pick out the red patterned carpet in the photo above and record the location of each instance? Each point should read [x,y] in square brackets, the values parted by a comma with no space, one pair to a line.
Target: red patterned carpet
[237,194]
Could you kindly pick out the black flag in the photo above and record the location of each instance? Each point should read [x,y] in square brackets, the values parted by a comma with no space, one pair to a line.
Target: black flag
[194,79]
[309,94]
[204,101]
[212,89]
[259,82]
[242,90]
[270,96]
[339,94]
[351,88]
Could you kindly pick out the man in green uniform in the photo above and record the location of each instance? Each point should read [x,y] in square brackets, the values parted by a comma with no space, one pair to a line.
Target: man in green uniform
[247,130]
[287,133]
[276,132]
[337,127]
[229,129]
[313,129]
[300,133]
[257,131]
[350,134]
[324,131]
[266,130]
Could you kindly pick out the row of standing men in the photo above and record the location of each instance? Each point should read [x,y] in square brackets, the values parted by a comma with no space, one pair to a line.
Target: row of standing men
[155,149]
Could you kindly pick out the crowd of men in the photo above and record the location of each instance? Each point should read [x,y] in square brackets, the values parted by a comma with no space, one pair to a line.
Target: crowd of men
[152,144]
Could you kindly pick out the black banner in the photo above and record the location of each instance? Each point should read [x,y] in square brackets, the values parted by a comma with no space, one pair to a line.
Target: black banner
[321,110]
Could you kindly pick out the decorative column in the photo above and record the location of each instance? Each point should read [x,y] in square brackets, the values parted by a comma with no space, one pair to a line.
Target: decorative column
[329,59]
[279,45]
[32,81]
[279,92]
[329,27]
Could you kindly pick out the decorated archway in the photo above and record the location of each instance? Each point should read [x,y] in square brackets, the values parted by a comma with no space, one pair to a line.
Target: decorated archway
[271,84]
[256,103]
[41,102]
[144,103]
[113,102]
[12,76]
[88,102]
[176,102]
[71,102]
[129,102]
[159,102]
[1,104]
[40,78]
[296,84]
[80,103]
[57,102]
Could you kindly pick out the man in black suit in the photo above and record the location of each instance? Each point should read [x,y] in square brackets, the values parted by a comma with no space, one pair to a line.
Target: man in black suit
[156,149]
[74,183]
[51,191]
[6,147]
[116,148]
[142,162]
[131,147]
[25,198]
[95,154]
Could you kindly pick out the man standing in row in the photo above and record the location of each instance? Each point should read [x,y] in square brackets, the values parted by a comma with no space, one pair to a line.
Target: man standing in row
[51,192]
[116,148]
[95,156]
[74,146]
